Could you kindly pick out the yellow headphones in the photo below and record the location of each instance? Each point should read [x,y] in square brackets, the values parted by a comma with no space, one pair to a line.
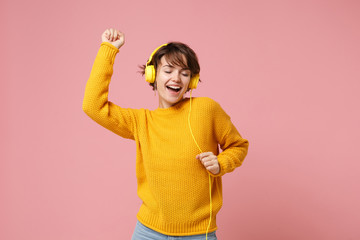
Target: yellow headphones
[150,72]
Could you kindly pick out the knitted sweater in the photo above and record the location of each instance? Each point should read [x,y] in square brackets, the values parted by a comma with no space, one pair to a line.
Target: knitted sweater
[172,184]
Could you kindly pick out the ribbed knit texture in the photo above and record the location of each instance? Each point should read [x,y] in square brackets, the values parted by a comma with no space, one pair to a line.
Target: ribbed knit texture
[172,183]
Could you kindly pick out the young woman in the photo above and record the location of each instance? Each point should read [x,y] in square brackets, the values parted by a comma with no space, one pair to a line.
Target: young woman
[178,162]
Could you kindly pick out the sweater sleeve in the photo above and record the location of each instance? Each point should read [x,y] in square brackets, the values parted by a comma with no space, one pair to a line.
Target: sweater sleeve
[95,103]
[234,147]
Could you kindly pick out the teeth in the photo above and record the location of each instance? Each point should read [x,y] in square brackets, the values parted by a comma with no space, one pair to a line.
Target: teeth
[175,88]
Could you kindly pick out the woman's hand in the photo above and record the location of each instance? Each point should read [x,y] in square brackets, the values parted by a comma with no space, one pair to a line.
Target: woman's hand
[113,36]
[209,160]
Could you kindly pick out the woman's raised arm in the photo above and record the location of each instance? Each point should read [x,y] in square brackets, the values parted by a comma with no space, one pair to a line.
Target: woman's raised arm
[95,103]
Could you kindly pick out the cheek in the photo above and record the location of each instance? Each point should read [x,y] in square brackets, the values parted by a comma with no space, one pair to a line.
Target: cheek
[186,81]
[160,78]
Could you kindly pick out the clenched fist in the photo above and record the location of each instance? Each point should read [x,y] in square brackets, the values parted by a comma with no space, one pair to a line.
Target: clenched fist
[113,36]
[210,162]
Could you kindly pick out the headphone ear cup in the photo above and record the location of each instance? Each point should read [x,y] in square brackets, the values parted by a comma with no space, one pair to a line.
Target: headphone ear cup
[194,81]
[150,73]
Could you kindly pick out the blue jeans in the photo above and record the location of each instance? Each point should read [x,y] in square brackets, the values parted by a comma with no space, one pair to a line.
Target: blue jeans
[142,232]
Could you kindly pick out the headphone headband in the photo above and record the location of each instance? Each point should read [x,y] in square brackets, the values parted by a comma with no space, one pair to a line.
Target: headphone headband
[152,54]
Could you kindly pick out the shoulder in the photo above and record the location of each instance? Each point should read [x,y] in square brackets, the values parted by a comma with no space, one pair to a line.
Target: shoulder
[209,108]
[205,101]
[207,104]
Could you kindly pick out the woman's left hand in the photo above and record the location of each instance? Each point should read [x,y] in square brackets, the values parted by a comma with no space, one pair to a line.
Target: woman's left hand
[209,160]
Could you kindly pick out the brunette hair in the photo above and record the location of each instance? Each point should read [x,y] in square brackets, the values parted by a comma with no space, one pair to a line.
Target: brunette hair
[174,53]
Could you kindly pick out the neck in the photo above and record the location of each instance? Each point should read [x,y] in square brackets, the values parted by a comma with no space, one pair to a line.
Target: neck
[166,105]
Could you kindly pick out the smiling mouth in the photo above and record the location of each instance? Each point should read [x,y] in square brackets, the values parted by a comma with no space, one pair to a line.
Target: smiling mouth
[173,88]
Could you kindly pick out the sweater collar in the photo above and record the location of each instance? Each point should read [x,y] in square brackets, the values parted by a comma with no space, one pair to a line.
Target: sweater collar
[178,107]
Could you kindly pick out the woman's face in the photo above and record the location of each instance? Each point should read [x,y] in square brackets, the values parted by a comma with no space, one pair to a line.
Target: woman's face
[171,83]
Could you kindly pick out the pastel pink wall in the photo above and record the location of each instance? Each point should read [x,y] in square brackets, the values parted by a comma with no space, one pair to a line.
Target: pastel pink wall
[287,72]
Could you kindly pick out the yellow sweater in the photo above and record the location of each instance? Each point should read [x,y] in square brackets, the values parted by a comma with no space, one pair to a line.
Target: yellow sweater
[172,184]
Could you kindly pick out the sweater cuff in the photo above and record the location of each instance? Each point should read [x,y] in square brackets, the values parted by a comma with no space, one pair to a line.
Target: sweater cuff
[108,50]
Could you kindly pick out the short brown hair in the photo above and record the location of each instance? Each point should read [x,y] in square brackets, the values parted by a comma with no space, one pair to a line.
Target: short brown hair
[174,53]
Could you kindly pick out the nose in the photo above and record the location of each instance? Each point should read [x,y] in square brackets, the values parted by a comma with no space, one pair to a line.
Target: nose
[177,77]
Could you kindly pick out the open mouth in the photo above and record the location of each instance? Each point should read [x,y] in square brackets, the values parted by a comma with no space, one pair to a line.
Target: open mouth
[174,88]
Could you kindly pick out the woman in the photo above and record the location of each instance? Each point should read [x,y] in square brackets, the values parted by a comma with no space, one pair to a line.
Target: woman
[178,164]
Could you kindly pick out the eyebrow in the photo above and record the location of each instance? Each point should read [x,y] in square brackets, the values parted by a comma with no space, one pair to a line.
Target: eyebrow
[171,66]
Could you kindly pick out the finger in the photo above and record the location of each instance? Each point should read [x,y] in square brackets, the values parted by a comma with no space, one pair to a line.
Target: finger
[205,159]
[107,34]
[210,168]
[118,35]
[208,158]
[199,156]
[205,154]
[115,35]
[122,36]
[211,163]
[208,164]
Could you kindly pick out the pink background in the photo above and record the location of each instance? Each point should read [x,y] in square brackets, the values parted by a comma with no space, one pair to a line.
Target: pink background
[287,72]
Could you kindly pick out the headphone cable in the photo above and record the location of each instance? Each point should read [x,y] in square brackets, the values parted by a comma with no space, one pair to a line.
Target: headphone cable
[207,230]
